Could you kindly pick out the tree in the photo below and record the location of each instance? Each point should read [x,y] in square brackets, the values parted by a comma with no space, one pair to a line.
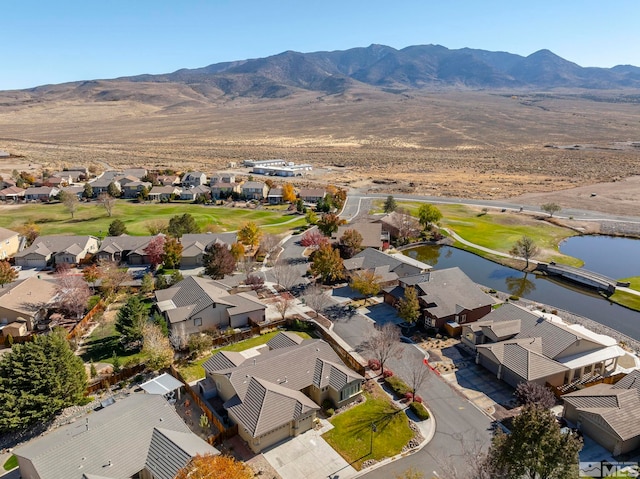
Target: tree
[147,284]
[428,214]
[327,264]
[288,193]
[30,231]
[311,217]
[390,204]
[70,202]
[237,250]
[250,234]
[383,344]
[285,274]
[533,393]
[316,298]
[108,202]
[87,192]
[525,248]
[112,277]
[313,239]
[350,243]
[7,273]
[155,250]
[38,379]
[336,197]
[156,346]
[366,282]
[172,252]
[551,208]
[409,306]
[113,190]
[72,294]
[255,281]
[91,274]
[269,242]
[117,228]
[210,466]
[535,448]
[218,261]
[155,227]
[182,224]
[283,304]
[329,223]
[131,319]
[418,374]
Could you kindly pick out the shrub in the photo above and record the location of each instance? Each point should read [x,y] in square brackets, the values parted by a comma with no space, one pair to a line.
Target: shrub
[330,412]
[408,396]
[513,297]
[388,373]
[373,364]
[93,300]
[419,410]
[418,399]
[397,385]
[199,344]
[327,405]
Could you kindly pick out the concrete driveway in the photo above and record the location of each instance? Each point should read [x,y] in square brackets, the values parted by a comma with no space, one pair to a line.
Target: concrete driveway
[308,456]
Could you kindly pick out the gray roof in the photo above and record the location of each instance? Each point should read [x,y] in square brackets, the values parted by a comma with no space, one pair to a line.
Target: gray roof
[118,244]
[268,385]
[119,435]
[162,384]
[371,233]
[195,243]
[614,406]
[450,291]
[48,245]
[252,185]
[284,339]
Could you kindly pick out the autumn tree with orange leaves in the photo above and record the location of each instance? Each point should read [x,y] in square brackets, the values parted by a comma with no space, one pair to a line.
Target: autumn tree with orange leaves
[209,467]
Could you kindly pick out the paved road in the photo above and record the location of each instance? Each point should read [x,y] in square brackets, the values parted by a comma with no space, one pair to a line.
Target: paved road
[458,422]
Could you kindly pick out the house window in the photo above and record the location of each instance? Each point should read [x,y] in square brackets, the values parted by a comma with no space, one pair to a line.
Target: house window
[197,321]
[461,318]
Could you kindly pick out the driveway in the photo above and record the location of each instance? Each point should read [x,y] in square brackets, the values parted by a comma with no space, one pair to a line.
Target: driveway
[308,456]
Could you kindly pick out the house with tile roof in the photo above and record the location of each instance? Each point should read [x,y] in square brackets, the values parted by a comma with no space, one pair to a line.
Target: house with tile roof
[445,296]
[46,250]
[125,249]
[608,413]
[518,345]
[24,304]
[388,267]
[9,243]
[275,394]
[194,246]
[196,304]
[139,436]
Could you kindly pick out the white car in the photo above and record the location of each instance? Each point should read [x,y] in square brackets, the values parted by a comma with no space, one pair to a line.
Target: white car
[17,268]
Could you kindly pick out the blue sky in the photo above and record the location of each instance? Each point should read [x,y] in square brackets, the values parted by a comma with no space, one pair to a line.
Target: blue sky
[58,41]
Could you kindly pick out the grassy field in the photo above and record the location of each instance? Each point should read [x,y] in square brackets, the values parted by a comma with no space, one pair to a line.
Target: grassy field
[90,218]
[627,299]
[194,370]
[499,231]
[351,435]
[11,463]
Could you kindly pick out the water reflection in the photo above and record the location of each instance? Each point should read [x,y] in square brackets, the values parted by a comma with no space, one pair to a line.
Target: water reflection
[521,287]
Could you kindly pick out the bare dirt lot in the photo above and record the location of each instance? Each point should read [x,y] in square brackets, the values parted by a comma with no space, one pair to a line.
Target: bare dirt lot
[470,144]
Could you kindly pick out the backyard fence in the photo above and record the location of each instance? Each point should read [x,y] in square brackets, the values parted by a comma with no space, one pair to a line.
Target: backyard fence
[81,326]
[106,381]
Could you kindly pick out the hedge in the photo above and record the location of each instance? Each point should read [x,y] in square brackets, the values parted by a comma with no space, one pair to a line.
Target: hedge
[419,410]
[397,385]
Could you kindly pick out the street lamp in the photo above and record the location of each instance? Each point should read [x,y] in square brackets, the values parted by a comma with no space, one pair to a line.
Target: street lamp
[373,429]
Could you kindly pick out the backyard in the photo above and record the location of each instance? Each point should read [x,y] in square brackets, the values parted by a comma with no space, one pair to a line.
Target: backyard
[353,432]
[90,218]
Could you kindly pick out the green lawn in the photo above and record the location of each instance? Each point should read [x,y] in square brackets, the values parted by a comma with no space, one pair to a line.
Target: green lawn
[351,435]
[103,342]
[626,299]
[635,282]
[194,370]
[499,231]
[92,219]
[11,463]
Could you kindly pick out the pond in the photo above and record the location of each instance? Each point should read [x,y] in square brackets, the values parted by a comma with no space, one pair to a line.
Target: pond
[609,255]
[537,288]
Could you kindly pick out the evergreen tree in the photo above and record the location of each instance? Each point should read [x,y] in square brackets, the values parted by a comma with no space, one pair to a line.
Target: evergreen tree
[117,228]
[390,204]
[182,224]
[131,320]
[38,379]
[88,191]
[218,261]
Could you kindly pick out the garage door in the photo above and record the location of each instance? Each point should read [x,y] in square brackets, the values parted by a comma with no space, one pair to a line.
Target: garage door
[486,363]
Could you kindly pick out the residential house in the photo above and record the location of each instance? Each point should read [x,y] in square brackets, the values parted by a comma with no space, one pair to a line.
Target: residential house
[222,178]
[372,235]
[196,304]
[53,250]
[608,413]
[7,182]
[164,193]
[25,303]
[168,180]
[125,249]
[518,345]
[132,189]
[388,267]
[101,184]
[78,191]
[56,181]
[194,178]
[41,193]
[223,185]
[73,175]
[400,225]
[195,245]
[445,296]
[276,394]
[312,195]
[254,190]
[12,193]
[191,194]
[9,243]
[274,197]
[139,436]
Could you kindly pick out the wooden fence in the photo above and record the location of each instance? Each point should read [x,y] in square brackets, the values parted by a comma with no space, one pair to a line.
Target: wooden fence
[106,381]
[80,327]
[222,431]
[559,391]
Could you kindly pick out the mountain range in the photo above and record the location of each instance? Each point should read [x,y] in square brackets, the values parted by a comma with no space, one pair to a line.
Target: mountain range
[423,67]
